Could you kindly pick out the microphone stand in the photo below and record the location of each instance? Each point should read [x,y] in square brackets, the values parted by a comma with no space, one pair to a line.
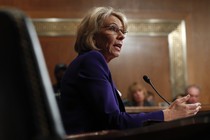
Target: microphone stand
[147,80]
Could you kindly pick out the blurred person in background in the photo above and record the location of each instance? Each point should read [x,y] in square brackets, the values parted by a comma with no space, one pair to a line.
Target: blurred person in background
[151,98]
[194,91]
[59,71]
[137,94]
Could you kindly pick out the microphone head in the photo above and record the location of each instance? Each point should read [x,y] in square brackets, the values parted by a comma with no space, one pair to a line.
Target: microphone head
[146,79]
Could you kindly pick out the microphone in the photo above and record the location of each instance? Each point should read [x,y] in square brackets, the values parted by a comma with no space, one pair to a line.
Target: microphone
[147,80]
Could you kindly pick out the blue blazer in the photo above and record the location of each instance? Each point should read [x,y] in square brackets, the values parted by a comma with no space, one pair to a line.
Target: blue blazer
[90,101]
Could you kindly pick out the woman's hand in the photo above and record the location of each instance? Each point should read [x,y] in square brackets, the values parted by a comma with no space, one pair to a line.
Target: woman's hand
[179,109]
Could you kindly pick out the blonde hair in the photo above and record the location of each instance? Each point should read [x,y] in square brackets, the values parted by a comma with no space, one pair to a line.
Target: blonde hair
[91,24]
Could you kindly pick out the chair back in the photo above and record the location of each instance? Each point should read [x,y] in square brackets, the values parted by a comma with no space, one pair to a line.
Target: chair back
[28,109]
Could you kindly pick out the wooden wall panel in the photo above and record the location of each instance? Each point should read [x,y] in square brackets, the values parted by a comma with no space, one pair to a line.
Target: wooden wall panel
[196,14]
[143,55]
[199,48]
[57,50]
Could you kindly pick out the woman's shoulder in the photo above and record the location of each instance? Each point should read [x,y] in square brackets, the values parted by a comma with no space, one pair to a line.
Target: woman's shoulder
[93,61]
[92,56]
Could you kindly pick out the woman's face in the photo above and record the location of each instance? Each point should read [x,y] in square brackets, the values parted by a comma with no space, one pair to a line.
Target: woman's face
[139,96]
[110,38]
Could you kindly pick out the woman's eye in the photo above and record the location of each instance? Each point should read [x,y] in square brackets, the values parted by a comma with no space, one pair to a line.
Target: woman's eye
[113,28]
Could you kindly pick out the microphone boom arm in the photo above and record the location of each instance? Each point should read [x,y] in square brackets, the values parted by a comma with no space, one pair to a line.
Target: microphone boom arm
[147,80]
[159,94]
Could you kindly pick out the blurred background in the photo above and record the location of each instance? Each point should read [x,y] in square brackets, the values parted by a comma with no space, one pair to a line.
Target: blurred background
[168,40]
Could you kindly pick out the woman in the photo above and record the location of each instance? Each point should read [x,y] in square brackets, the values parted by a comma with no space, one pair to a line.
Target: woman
[89,98]
[137,95]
